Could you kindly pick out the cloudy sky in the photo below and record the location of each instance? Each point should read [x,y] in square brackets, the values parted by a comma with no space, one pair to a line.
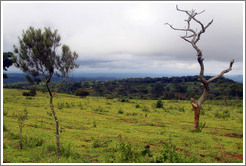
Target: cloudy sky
[130,37]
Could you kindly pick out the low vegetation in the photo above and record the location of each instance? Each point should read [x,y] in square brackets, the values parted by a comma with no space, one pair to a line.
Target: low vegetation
[104,130]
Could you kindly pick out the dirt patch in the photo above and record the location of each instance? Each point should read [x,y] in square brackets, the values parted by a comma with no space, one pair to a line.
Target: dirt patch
[130,120]
[184,151]
[218,159]
[240,157]
[162,142]
[38,127]
[222,159]
[232,135]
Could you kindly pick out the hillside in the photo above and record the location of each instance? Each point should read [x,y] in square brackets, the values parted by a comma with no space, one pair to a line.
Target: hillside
[101,130]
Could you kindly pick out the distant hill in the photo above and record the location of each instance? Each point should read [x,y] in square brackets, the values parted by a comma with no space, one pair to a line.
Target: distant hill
[20,77]
[236,78]
[183,87]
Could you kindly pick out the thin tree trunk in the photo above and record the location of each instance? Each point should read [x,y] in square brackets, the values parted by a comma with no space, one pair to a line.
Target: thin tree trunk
[57,128]
[196,118]
[20,137]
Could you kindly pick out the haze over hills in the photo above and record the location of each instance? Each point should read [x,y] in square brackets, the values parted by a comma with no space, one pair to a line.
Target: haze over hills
[20,77]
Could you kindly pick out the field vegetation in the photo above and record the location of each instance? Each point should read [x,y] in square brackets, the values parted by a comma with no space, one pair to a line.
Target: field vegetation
[120,130]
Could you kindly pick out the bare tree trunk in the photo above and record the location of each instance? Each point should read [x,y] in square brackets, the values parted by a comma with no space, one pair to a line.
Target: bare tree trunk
[57,128]
[21,138]
[192,36]
[196,113]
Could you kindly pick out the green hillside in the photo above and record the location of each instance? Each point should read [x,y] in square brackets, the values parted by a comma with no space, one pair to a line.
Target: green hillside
[101,130]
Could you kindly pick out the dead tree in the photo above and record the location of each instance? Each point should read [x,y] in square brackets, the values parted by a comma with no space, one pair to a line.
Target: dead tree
[193,36]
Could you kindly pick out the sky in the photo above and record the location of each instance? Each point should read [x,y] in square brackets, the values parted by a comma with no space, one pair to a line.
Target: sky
[131,37]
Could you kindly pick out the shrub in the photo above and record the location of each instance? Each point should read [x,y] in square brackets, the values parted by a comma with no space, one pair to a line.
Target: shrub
[169,154]
[33,141]
[81,92]
[21,118]
[124,100]
[120,111]
[224,114]
[145,109]
[137,106]
[32,92]
[159,104]
[5,127]
[60,105]
[109,96]
[201,125]
[94,123]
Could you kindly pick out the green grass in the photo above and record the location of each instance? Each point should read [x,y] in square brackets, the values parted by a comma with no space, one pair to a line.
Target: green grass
[101,130]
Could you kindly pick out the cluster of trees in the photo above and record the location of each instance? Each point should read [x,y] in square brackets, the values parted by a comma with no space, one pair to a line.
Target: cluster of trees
[147,88]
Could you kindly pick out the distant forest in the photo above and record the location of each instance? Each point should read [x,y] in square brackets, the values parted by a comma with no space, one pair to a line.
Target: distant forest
[146,88]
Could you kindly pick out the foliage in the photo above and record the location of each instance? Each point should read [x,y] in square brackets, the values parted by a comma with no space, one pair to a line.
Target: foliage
[140,88]
[120,111]
[7,60]
[169,153]
[32,92]
[81,92]
[159,104]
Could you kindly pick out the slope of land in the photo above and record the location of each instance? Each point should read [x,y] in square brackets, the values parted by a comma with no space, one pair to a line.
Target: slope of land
[99,130]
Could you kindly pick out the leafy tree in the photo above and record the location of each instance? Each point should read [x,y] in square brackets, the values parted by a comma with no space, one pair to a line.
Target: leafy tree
[235,90]
[7,61]
[192,36]
[38,56]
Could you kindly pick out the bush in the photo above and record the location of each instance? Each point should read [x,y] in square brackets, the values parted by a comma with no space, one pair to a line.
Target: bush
[169,154]
[120,111]
[109,96]
[124,100]
[145,109]
[224,114]
[32,92]
[5,127]
[81,92]
[32,142]
[159,104]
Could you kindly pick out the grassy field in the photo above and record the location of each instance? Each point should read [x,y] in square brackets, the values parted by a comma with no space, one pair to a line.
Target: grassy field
[100,130]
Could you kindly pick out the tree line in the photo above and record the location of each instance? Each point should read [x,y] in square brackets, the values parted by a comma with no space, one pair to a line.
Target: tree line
[167,88]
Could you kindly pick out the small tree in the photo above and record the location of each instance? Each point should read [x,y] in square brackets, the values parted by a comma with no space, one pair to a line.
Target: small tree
[192,36]
[21,118]
[38,57]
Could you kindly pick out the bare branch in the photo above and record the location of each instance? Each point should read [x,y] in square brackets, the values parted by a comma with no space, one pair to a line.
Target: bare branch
[59,86]
[179,29]
[223,72]
[183,37]
[202,31]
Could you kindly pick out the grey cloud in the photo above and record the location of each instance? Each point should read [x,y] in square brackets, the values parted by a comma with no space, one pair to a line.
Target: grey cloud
[130,35]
